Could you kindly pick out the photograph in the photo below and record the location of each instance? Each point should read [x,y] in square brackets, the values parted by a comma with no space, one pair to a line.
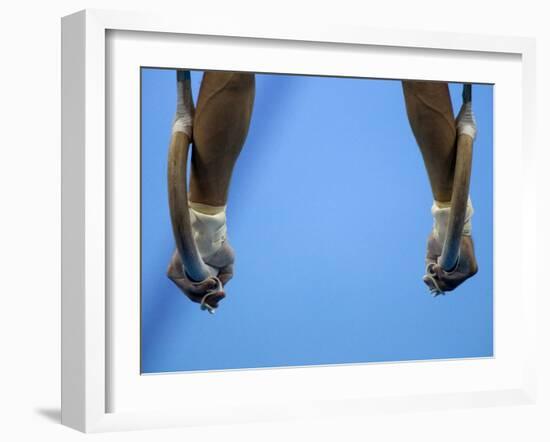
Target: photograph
[301,220]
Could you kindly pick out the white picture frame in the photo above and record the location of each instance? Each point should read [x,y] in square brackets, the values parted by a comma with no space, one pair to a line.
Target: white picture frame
[99,343]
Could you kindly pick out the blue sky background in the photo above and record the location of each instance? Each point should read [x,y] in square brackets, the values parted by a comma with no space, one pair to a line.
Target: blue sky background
[330,246]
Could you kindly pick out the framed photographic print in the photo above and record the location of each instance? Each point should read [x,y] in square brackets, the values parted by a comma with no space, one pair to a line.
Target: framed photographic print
[265,223]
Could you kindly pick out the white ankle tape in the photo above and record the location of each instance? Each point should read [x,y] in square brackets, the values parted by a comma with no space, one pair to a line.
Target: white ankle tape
[441,212]
[466,122]
[185,110]
[209,231]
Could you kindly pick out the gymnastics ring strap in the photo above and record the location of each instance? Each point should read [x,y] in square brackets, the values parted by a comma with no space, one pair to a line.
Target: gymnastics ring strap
[194,267]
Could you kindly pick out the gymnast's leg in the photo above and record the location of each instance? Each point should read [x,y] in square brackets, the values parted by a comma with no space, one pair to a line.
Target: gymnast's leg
[430,114]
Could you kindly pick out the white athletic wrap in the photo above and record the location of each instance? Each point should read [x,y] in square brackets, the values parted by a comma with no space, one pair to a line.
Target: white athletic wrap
[441,219]
[209,231]
[466,122]
[185,110]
